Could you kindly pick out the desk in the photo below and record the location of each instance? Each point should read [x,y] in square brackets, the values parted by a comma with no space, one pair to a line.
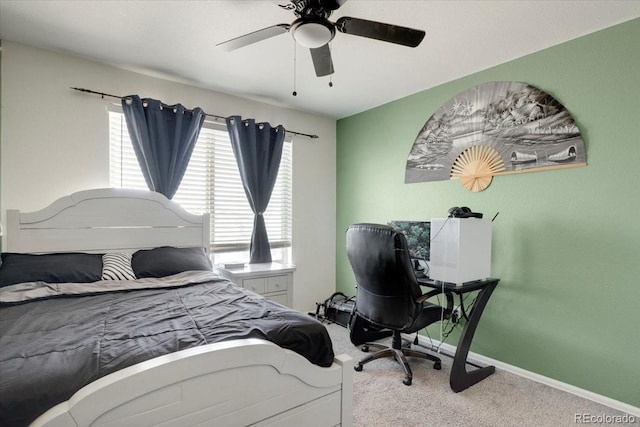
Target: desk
[460,379]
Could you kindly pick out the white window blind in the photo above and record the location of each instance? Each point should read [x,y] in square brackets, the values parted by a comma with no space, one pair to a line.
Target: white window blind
[212,184]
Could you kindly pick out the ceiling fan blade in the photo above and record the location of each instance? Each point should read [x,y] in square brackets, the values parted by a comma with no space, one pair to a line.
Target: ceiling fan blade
[322,62]
[379,31]
[331,4]
[253,37]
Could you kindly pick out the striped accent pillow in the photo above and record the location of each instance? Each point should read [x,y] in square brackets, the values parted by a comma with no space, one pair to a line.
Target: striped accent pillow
[117,266]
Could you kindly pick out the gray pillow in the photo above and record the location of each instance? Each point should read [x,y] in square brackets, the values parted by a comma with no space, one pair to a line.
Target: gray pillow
[168,260]
[68,267]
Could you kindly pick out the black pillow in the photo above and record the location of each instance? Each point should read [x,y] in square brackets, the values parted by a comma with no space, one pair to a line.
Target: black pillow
[167,260]
[71,267]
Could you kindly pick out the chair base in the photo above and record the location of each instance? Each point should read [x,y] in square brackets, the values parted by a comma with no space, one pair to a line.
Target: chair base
[400,355]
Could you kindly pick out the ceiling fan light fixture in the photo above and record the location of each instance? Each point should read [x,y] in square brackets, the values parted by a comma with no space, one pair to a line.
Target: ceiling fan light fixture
[312,33]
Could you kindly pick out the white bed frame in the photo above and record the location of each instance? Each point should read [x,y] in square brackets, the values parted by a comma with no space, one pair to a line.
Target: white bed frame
[233,383]
[107,219]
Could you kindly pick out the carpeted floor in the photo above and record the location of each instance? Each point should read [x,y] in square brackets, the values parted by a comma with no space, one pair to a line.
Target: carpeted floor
[503,399]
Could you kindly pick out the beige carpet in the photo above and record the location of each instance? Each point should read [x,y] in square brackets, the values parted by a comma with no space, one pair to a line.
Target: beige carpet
[503,399]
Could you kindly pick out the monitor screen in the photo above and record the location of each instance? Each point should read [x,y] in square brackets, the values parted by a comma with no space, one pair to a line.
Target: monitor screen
[418,235]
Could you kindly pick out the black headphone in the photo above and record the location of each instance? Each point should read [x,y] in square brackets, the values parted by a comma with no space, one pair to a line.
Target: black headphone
[463,212]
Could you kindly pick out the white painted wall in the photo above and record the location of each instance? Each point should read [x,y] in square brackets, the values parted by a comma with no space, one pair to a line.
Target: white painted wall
[55,142]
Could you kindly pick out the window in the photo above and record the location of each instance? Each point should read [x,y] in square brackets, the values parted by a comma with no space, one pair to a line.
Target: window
[212,184]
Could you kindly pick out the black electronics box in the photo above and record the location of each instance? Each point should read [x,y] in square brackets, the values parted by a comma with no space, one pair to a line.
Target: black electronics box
[338,308]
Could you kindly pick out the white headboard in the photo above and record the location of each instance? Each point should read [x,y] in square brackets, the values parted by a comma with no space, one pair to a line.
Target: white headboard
[107,219]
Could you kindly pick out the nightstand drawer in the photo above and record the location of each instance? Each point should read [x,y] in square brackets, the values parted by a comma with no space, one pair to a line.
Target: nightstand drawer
[271,280]
[277,283]
[279,298]
[255,285]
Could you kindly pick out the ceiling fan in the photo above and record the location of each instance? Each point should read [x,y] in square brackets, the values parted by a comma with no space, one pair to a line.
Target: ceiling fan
[313,30]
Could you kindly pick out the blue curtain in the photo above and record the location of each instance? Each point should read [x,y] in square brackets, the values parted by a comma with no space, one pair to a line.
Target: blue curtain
[258,150]
[163,139]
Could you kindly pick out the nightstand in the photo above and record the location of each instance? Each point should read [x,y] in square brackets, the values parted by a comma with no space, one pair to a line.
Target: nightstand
[272,280]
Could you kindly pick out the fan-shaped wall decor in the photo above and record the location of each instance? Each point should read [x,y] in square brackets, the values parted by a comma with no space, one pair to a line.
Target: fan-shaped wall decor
[495,128]
[475,167]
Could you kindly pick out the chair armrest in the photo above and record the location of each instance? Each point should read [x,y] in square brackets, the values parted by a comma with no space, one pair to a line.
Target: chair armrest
[422,298]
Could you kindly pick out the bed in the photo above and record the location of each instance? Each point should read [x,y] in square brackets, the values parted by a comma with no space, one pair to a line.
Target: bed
[158,339]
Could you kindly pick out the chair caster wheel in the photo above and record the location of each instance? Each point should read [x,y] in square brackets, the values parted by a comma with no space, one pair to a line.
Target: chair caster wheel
[357,367]
[365,348]
[407,381]
[437,366]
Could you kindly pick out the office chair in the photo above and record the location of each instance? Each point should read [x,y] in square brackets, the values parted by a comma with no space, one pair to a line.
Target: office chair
[388,294]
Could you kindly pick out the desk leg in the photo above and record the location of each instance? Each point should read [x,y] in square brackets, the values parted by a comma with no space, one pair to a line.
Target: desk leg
[461,379]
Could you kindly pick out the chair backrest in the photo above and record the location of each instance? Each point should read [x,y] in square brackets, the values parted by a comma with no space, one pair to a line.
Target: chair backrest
[387,285]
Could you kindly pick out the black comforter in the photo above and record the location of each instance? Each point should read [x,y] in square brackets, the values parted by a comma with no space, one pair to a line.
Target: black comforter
[55,339]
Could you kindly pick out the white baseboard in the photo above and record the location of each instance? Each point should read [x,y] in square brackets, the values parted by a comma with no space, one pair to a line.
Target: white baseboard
[483,360]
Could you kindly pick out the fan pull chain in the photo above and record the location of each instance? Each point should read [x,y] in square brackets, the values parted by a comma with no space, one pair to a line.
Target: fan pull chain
[294,68]
[330,75]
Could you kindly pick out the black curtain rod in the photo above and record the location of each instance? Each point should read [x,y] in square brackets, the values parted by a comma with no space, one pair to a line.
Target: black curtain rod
[102,94]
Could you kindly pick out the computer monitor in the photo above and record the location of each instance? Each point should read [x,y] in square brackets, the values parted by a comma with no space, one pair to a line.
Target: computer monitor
[418,236]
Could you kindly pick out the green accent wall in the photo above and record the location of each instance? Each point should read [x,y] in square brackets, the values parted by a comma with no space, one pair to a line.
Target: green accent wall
[566,244]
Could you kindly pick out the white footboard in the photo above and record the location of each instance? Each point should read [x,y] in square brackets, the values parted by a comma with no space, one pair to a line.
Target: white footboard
[234,383]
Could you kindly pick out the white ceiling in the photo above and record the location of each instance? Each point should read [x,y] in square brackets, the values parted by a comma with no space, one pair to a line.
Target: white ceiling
[176,40]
